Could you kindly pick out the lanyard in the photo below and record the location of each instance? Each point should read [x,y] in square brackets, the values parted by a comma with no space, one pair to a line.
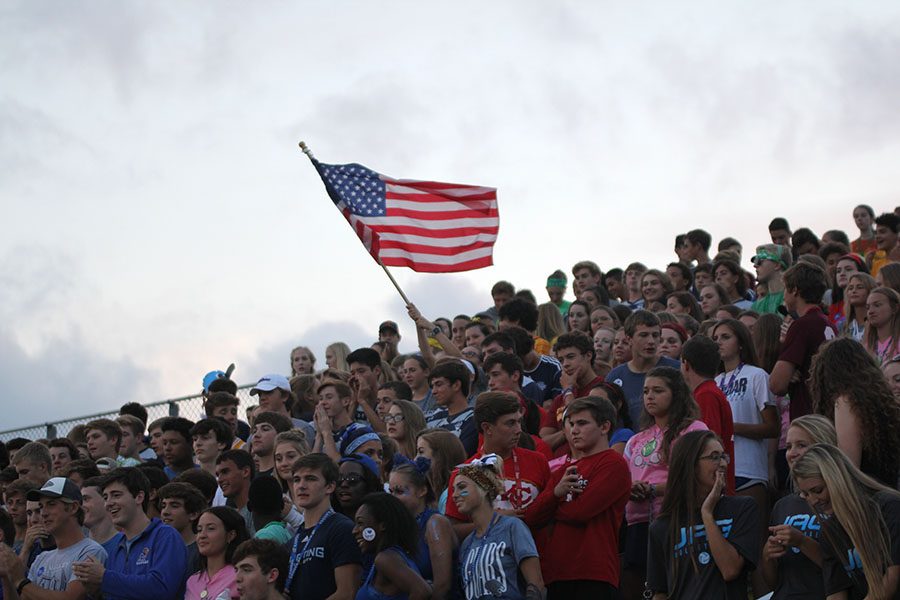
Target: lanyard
[295,557]
[730,387]
[515,496]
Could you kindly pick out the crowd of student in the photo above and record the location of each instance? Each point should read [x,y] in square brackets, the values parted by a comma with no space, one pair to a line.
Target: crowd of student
[687,432]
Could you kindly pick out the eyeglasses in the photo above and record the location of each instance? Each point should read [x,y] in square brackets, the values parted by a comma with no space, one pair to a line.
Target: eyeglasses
[717,457]
[351,479]
[393,418]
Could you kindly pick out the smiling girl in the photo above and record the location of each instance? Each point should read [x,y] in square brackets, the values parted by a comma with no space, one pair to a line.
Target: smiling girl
[861,524]
[220,530]
[883,324]
[704,544]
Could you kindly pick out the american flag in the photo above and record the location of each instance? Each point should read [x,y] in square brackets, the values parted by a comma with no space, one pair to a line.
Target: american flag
[427,226]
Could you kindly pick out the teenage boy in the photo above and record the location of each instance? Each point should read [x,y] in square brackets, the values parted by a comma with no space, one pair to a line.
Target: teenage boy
[50,576]
[586,503]
[501,293]
[586,275]
[499,418]
[387,393]
[699,364]
[177,446]
[266,426]
[104,437]
[136,410]
[542,369]
[504,373]
[209,438]
[575,351]
[771,261]
[262,569]
[14,498]
[62,452]
[642,333]
[389,332]
[680,275]
[887,226]
[325,561]
[501,342]
[697,243]
[557,283]
[633,296]
[225,406]
[132,430]
[96,520]
[275,395]
[32,462]
[150,560]
[449,383]
[614,284]
[266,504]
[180,505]
[365,370]
[332,417]
[234,472]
[804,284]
[780,232]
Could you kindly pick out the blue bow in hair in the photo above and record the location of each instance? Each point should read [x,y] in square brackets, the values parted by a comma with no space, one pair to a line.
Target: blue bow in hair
[422,464]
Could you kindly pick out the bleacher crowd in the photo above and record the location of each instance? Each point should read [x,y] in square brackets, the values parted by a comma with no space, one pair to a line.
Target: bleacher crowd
[693,431]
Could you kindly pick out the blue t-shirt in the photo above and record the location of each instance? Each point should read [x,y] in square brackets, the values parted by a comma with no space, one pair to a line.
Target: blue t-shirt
[632,384]
[332,546]
[490,564]
[367,590]
[621,436]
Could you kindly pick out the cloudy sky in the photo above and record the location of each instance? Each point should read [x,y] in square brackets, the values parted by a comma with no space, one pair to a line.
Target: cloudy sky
[160,221]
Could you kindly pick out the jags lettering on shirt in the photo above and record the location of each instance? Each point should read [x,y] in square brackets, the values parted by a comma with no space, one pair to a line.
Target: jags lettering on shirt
[144,557]
[808,525]
[854,561]
[484,570]
[695,539]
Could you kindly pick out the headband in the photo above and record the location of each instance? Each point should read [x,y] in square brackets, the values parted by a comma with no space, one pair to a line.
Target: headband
[354,444]
[477,471]
[363,460]
[421,465]
[551,282]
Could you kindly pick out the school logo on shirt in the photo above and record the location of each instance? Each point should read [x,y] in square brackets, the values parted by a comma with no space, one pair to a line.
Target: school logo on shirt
[695,538]
[484,572]
[648,454]
[144,557]
[516,497]
[808,525]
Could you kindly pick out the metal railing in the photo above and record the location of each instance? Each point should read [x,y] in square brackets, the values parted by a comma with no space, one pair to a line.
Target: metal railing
[190,407]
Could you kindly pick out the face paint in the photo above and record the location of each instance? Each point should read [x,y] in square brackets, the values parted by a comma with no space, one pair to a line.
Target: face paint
[368,534]
[463,493]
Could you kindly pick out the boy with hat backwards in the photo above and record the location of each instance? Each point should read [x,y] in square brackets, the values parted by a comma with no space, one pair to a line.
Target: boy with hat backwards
[51,576]
[771,260]
[275,395]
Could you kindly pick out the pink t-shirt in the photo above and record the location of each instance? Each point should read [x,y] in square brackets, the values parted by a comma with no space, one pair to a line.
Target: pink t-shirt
[223,585]
[645,464]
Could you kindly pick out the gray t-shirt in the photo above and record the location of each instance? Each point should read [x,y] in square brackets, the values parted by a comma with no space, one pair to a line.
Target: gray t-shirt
[52,570]
[490,564]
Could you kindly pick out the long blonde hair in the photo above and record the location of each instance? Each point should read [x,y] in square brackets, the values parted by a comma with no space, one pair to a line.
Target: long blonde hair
[819,428]
[550,324]
[851,492]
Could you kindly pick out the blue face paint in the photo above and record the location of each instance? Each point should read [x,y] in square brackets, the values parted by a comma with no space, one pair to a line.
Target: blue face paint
[463,493]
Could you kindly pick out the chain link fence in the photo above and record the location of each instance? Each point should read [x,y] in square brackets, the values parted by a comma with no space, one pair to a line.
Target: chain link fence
[190,407]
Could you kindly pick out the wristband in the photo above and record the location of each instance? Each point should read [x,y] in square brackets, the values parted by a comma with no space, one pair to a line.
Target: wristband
[22,585]
[436,331]
[567,391]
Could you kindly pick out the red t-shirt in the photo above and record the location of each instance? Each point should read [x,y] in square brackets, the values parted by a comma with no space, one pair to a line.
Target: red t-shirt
[534,472]
[802,341]
[585,539]
[716,413]
[552,418]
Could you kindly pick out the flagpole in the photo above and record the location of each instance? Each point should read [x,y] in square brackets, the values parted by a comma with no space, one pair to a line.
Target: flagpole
[305,149]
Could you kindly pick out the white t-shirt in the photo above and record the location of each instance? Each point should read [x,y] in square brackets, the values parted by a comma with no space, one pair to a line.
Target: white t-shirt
[747,390]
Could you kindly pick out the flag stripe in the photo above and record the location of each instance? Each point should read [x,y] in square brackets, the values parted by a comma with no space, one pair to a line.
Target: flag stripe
[424,267]
[441,242]
[482,206]
[428,249]
[442,216]
[434,226]
[426,195]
